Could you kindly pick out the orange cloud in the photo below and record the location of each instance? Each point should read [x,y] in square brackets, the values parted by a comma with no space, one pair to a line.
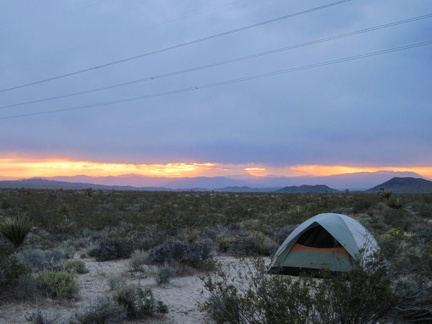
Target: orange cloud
[19,168]
[22,168]
[256,171]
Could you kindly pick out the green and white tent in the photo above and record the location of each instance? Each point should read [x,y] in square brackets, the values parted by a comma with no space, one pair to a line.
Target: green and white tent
[331,241]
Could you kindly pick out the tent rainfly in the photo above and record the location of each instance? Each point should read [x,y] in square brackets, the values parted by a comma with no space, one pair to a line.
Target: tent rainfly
[331,241]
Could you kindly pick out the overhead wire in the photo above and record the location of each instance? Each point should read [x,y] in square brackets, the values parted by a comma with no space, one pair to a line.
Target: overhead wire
[169,48]
[221,83]
[234,60]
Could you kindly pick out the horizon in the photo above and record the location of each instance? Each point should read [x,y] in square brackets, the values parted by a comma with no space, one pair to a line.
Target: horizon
[357,182]
[360,181]
[15,169]
[193,88]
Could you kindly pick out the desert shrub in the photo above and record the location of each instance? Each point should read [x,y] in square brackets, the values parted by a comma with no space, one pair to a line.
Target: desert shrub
[5,204]
[147,238]
[395,203]
[190,253]
[77,243]
[57,284]
[75,266]
[138,259]
[252,296]
[115,282]
[139,302]
[103,311]
[256,243]
[164,274]
[26,288]
[423,232]
[39,260]
[363,202]
[11,270]
[238,229]
[112,249]
[282,234]
[215,231]
[6,251]
[300,213]
[362,295]
[15,229]
[227,242]
[39,318]
[399,218]
[41,238]
[411,260]
[66,226]
[425,210]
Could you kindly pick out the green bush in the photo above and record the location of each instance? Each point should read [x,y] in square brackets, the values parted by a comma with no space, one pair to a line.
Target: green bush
[138,259]
[252,296]
[164,274]
[11,270]
[112,249]
[57,284]
[115,282]
[227,243]
[15,229]
[40,260]
[103,311]
[75,266]
[39,318]
[253,244]
[395,203]
[192,254]
[425,211]
[139,302]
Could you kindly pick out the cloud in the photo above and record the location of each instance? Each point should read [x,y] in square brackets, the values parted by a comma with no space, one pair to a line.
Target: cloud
[371,111]
[18,167]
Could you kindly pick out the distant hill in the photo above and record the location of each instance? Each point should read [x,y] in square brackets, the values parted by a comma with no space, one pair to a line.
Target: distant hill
[307,188]
[244,189]
[405,185]
[53,184]
[395,184]
[353,181]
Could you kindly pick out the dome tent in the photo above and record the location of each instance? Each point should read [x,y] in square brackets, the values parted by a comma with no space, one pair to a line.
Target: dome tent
[328,240]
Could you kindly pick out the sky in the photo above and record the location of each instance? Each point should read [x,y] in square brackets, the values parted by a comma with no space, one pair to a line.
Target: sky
[191,88]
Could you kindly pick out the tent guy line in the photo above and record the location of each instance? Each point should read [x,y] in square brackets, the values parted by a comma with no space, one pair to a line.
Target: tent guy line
[221,83]
[169,48]
[234,60]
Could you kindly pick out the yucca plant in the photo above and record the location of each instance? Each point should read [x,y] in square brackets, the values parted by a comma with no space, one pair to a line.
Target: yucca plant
[15,229]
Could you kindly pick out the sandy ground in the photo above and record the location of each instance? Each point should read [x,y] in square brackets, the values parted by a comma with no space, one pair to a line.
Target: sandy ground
[181,295]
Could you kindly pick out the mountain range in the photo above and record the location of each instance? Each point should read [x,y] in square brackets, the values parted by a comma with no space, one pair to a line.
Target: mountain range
[363,181]
[405,185]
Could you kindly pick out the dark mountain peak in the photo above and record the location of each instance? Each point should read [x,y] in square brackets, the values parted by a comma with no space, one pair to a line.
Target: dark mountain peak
[405,185]
[307,188]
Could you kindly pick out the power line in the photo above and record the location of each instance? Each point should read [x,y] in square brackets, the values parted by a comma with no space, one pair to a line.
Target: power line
[234,60]
[169,48]
[221,83]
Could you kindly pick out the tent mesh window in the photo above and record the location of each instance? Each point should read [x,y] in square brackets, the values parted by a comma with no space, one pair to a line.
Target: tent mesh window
[318,237]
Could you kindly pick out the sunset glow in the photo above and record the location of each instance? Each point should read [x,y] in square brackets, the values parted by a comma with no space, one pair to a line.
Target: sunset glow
[20,168]
[256,172]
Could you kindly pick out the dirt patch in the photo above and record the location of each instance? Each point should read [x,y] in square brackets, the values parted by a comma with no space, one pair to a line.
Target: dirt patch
[181,295]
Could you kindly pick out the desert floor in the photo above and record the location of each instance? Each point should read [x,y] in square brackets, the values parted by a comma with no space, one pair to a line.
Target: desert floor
[181,295]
